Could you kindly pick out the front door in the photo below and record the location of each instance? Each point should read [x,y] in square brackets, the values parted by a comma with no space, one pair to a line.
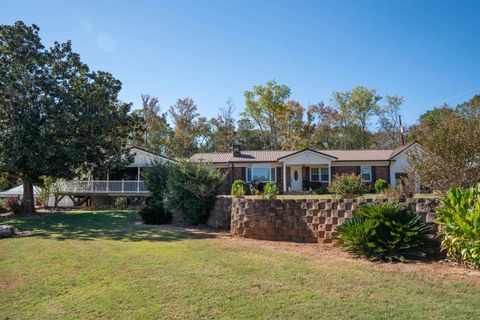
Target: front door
[296,178]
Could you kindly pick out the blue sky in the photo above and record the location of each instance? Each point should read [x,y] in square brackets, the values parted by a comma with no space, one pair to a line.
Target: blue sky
[426,51]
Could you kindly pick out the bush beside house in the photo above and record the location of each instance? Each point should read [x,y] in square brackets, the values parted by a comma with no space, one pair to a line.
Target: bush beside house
[155,213]
[381,185]
[239,188]
[271,190]
[348,186]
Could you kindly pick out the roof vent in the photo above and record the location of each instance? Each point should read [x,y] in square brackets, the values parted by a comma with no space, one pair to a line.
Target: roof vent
[236,150]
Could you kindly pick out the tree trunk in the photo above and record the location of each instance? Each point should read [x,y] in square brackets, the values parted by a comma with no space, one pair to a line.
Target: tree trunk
[28,200]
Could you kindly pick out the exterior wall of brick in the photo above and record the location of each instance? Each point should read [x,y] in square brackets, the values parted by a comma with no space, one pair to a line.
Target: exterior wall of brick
[220,214]
[305,220]
[345,170]
[381,172]
[240,173]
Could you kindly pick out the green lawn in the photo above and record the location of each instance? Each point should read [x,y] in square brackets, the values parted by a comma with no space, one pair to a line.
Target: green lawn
[100,265]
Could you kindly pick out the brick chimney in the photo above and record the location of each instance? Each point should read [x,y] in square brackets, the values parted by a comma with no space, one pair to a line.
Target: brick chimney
[236,150]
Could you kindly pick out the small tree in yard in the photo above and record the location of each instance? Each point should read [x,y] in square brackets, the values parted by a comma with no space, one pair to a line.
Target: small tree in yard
[191,190]
[56,116]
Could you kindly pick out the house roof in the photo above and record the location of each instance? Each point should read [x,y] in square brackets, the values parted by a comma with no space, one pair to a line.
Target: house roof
[246,156]
[276,155]
[360,155]
[150,152]
[400,149]
[18,191]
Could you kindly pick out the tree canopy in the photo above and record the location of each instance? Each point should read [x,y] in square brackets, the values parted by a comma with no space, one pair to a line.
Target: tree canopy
[57,117]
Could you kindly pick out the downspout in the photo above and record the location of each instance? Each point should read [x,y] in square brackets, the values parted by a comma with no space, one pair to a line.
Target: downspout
[389,173]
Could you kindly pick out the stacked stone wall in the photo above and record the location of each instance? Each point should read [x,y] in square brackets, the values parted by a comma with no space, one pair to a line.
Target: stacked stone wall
[306,220]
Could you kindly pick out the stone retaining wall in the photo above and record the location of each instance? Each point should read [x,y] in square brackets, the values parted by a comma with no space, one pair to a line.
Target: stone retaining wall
[305,220]
[220,214]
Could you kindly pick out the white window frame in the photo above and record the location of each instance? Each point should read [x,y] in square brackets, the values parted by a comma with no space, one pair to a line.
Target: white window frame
[328,174]
[319,174]
[311,174]
[369,168]
[272,174]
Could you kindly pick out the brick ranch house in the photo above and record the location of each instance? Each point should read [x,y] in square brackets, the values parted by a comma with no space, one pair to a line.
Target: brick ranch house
[308,168]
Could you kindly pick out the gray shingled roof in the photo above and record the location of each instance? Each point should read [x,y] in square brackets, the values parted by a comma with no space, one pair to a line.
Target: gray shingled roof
[273,156]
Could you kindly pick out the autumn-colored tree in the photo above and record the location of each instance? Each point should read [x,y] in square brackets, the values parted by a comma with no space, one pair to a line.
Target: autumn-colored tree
[155,130]
[250,137]
[356,108]
[265,106]
[223,128]
[388,135]
[188,127]
[324,123]
[292,130]
[449,155]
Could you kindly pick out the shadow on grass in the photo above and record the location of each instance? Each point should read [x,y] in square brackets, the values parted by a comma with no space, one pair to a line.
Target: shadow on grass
[108,225]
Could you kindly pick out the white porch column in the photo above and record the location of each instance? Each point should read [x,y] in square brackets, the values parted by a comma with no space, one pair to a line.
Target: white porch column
[108,179]
[329,173]
[284,177]
[138,179]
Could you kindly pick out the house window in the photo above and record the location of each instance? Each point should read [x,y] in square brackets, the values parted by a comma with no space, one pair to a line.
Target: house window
[319,174]
[366,173]
[324,174]
[314,174]
[264,174]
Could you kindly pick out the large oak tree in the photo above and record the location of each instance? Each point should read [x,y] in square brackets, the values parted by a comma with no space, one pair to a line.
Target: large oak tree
[56,116]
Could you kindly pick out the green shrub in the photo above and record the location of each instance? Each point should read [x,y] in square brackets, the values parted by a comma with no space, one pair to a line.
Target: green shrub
[156,178]
[460,217]
[155,213]
[121,202]
[15,206]
[2,207]
[239,188]
[321,190]
[381,185]
[385,232]
[348,186]
[191,190]
[270,190]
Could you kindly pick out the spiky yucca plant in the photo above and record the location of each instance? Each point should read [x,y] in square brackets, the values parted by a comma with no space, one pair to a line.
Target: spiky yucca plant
[385,232]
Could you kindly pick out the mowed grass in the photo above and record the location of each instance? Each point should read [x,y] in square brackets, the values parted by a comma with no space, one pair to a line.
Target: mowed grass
[101,265]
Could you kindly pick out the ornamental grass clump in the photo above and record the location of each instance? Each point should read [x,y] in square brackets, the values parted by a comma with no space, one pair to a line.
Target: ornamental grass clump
[386,232]
[459,217]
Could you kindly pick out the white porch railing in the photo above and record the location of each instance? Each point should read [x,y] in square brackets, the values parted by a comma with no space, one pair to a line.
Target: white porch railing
[104,186]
